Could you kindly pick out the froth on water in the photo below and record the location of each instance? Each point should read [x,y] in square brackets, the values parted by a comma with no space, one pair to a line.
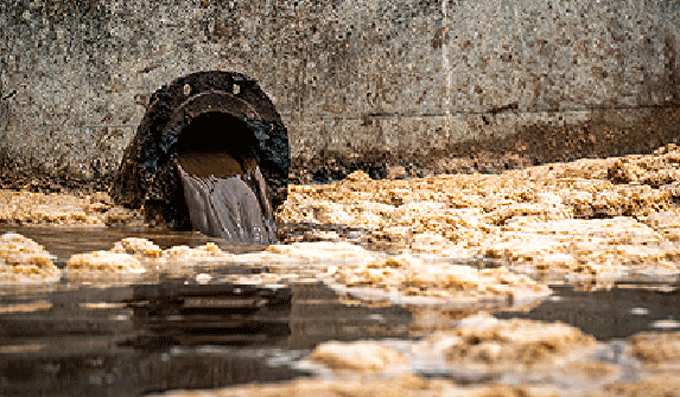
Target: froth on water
[227,197]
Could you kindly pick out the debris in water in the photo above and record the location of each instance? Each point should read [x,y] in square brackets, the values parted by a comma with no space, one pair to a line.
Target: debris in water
[24,260]
[104,262]
[594,219]
[407,279]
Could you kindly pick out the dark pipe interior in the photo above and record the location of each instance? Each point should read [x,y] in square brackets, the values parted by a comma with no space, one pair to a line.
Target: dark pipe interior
[216,132]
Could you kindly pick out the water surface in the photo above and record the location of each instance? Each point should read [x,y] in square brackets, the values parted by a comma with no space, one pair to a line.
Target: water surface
[227,197]
[176,331]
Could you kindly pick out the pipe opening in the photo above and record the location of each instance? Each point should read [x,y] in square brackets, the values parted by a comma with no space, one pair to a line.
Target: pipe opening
[208,157]
[224,190]
[216,144]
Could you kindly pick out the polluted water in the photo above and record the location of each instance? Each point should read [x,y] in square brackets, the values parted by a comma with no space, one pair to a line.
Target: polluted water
[226,197]
[556,280]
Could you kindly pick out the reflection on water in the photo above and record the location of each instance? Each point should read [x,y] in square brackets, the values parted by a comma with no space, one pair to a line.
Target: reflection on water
[178,333]
[185,332]
[625,309]
[174,313]
[175,334]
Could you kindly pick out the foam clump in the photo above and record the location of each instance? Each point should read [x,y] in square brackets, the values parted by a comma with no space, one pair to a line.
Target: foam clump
[403,386]
[407,276]
[358,357]
[97,209]
[105,262]
[578,247]
[133,255]
[484,340]
[203,252]
[596,218]
[321,252]
[24,260]
[659,356]
[535,358]
[659,350]
[139,247]
[357,176]
[552,354]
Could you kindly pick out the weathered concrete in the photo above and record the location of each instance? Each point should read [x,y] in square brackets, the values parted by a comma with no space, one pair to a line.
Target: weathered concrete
[358,83]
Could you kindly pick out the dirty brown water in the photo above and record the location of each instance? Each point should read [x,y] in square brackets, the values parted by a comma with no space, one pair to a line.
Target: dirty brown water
[603,234]
[168,332]
[178,332]
[227,197]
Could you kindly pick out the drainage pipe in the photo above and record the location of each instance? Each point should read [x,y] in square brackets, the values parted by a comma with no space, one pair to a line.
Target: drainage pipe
[208,112]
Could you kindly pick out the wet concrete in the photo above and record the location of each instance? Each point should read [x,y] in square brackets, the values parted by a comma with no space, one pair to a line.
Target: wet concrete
[492,149]
[350,80]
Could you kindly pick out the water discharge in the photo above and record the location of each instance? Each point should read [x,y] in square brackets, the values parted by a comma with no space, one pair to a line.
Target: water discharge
[233,157]
[227,197]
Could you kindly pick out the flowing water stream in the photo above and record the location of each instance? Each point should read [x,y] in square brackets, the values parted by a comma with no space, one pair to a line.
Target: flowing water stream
[226,197]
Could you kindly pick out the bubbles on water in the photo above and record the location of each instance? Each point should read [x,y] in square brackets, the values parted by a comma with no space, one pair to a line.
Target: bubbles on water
[666,324]
[639,311]
[203,278]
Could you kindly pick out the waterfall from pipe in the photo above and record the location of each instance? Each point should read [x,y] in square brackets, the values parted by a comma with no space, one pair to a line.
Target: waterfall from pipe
[227,197]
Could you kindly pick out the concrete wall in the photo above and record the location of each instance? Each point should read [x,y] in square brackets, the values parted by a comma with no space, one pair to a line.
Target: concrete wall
[448,85]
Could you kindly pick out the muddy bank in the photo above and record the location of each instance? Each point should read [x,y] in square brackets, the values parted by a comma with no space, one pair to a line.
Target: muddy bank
[38,181]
